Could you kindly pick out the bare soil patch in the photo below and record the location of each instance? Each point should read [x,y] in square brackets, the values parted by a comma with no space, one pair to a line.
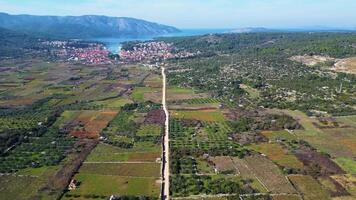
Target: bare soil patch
[223,164]
[347,65]
[312,60]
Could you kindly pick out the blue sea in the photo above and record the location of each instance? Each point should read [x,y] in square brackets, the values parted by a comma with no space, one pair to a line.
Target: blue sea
[114,44]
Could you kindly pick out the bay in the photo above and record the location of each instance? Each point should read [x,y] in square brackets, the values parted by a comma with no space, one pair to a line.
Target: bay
[114,44]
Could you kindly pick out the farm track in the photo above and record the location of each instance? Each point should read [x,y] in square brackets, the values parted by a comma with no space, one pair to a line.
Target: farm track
[165,144]
[119,162]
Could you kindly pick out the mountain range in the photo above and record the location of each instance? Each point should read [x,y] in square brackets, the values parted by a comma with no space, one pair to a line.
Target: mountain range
[83,27]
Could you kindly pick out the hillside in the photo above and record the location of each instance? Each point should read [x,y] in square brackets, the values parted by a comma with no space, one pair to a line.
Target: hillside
[14,43]
[88,26]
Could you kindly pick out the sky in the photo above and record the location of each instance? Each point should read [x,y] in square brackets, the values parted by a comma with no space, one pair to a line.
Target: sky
[203,13]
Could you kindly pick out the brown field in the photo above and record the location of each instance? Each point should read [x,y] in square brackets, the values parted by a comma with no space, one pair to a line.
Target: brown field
[309,187]
[246,173]
[224,164]
[155,97]
[269,174]
[89,124]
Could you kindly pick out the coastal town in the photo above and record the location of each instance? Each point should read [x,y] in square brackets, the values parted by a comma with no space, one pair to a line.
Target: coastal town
[152,52]
[82,52]
[95,53]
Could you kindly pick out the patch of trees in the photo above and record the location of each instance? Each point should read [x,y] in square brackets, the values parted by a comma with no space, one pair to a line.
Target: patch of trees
[268,122]
[194,185]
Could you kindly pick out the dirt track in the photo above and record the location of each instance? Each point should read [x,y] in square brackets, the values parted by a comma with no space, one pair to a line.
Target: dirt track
[165,155]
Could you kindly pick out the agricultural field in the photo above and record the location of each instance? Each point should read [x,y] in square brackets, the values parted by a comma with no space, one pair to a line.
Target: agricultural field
[244,123]
[278,155]
[309,187]
[111,170]
[53,115]
[269,174]
[203,115]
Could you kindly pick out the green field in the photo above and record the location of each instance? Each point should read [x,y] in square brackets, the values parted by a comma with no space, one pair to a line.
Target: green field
[149,130]
[122,169]
[108,153]
[179,90]
[278,155]
[138,93]
[347,164]
[107,185]
[206,115]
[15,187]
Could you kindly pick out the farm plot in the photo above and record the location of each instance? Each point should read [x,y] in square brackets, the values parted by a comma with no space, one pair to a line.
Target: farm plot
[86,124]
[154,81]
[200,101]
[141,94]
[348,182]
[113,103]
[149,130]
[202,115]
[283,135]
[347,164]
[269,174]
[177,94]
[16,187]
[334,188]
[285,197]
[312,158]
[217,130]
[246,173]
[303,119]
[105,177]
[105,186]
[278,155]
[309,187]
[109,153]
[338,142]
[224,164]
[26,183]
[122,169]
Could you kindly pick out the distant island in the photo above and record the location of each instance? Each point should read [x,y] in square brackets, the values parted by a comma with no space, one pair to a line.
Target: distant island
[83,27]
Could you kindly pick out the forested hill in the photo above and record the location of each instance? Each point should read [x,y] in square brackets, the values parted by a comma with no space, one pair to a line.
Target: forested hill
[15,43]
[338,45]
[88,26]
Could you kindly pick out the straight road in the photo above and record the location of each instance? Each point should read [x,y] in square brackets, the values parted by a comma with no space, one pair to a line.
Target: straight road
[165,156]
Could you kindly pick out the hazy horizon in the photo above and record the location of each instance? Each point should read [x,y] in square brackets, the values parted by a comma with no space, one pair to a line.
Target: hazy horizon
[199,14]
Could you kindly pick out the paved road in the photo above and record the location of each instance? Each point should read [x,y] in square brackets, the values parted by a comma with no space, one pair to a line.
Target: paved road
[165,156]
